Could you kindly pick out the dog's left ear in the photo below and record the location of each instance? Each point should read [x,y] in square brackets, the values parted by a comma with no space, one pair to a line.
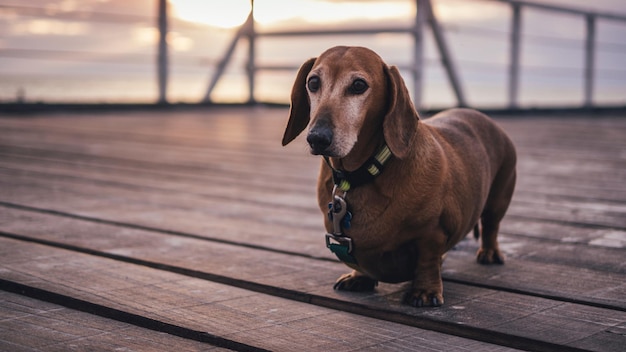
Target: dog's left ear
[400,123]
[300,109]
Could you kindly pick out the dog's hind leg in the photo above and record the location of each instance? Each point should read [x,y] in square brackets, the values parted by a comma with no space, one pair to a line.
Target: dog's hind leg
[477,230]
[489,253]
[355,281]
[497,204]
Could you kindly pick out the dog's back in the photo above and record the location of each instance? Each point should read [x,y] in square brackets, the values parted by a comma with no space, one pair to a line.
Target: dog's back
[488,156]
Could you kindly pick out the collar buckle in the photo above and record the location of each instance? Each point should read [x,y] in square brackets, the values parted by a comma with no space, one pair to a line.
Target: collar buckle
[338,242]
[333,241]
[341,246]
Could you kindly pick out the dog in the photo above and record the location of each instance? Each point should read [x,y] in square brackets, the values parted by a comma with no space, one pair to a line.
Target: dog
[413,188]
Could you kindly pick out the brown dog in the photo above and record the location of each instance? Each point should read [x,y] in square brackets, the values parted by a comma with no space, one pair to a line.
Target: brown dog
[443,176]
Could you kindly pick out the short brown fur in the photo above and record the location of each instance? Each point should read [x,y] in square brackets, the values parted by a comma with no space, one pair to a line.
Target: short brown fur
[448,173]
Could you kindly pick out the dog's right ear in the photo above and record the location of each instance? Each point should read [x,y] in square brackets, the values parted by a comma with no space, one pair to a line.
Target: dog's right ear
[300,109]
[400,123]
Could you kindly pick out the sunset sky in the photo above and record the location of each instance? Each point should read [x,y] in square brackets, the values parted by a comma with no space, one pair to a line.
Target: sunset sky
[233,12]
[104,49]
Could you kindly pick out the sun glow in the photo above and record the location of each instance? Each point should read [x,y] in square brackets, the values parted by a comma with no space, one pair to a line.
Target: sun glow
[233,13]
[218,13]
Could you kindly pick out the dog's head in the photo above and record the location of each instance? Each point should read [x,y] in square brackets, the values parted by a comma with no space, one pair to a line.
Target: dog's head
[346,95]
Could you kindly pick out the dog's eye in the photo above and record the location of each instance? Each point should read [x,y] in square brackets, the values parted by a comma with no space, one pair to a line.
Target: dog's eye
[314,84]
[359,86]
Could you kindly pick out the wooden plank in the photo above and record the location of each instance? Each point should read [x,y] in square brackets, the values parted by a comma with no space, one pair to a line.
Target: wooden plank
[257,320]
[254,195]
[52,327]
[213,130]
[221,184]
[599,271]
[144,177]
[264,200]
[475,306]
[311,208]
[558,208]
[306,242]
[564,277]
[550,160]
[601,214]
[193,177]
[528,183]
[541,162]
[564,232]
[71,191]
[147,182]
[533,143]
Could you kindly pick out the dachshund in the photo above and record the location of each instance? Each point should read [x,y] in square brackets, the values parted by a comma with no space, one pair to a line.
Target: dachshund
[402,191]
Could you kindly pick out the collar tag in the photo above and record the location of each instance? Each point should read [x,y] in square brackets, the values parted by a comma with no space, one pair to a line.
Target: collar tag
[338,242]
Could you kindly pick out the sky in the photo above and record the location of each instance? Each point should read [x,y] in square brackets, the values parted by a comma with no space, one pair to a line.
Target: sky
[104,50]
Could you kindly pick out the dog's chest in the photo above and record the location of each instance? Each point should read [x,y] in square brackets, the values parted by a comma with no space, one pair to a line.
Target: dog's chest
[373,224]
[382,242]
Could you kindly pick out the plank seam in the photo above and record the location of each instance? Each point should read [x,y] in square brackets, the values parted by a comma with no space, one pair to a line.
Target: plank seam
[566,222]
[158,230]
[125,317]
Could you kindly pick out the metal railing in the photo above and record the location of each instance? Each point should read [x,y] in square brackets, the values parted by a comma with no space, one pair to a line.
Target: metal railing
[425,16]
[591,19]
[593,68]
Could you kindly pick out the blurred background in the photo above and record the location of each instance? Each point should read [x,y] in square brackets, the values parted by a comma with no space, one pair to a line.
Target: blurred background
[106,51]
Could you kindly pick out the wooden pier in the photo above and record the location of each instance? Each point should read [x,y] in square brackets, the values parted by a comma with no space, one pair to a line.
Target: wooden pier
[194,230]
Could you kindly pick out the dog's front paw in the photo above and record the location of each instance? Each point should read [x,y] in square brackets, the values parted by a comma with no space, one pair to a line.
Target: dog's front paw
[355,281]
[424,298]
[489,256]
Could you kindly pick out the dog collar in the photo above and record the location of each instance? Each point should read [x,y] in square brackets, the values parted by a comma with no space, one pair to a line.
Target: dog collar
[338,214]
[346,180]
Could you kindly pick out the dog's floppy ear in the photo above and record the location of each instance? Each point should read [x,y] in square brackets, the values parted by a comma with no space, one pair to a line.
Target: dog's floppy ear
[300,109]
[400,124]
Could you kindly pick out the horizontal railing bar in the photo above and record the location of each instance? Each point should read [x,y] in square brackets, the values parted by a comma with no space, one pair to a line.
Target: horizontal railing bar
[411,29]
[343,31]
[296,67]
[563,9]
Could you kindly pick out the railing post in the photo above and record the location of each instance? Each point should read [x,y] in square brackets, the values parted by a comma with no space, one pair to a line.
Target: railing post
[162,52]
[418,52]
[514,66]
[590,44]
[221,65]
[446,57]
[251,66]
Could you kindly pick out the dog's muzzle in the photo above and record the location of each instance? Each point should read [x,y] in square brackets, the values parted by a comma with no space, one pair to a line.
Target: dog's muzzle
[320,138]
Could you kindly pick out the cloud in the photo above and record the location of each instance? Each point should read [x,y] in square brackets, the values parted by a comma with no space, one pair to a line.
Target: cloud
[179,42]
[329,11]
[44,27]
[148,37]
[469,12]
[145,36]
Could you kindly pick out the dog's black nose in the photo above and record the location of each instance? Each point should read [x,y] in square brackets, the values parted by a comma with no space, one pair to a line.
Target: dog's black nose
[319,139]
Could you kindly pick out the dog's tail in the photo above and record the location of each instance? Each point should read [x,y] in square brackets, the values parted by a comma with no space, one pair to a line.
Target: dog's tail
[477,230]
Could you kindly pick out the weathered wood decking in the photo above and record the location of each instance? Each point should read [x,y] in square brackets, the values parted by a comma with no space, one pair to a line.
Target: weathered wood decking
[196,230]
